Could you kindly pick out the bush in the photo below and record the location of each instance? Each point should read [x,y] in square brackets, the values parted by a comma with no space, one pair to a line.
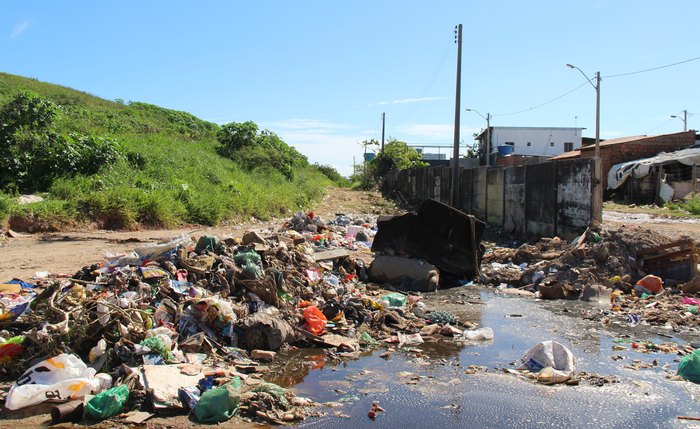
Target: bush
[33,155]
[242,143]
[333,175]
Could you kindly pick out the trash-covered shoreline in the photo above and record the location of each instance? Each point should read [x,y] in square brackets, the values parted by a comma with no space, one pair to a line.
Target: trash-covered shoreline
[190,325]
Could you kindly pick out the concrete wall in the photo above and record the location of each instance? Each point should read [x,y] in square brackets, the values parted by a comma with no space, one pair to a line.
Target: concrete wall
[514,221]
[540,199]
[494,196]
[478,191]
[574,202]
[547,199]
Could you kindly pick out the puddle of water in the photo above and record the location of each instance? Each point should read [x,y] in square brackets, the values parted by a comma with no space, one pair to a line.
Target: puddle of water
[432,387]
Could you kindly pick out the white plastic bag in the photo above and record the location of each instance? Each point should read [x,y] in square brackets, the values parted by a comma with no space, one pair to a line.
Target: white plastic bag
[153,250]
[553,355]
[481,334]
[60,378]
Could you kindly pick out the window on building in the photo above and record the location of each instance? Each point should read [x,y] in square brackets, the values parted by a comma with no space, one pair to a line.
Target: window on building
[529,144]
[551,144]
[512,144]
[568,146]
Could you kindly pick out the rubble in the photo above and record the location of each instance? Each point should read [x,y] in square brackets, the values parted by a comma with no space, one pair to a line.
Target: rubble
[185,324]
[603,265]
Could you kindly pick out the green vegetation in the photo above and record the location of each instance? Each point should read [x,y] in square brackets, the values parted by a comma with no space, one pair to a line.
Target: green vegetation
[690,205]
[396,155]
[333,175]
[125,165]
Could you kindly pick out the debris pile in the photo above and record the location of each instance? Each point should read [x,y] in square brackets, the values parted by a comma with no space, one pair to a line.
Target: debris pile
[191,324]
[605,265]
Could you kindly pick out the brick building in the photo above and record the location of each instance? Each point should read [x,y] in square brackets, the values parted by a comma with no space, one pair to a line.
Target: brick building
[615,151]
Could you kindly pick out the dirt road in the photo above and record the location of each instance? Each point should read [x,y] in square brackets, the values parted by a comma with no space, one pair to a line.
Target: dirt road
[68,251]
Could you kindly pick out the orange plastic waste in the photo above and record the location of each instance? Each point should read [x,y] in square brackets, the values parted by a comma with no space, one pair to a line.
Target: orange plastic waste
[652,283]
[315,320]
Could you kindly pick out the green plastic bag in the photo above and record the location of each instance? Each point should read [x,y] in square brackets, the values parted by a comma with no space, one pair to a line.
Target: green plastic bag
[108,403]
[219,404]
[395,299]
[157,345]
[245,257]
[277,391]
[689,367]
[366,338]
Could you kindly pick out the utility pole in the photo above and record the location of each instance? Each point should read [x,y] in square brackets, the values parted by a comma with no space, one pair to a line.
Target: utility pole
[684,119]
[455,151]
[383,121]
[597,197]
[488,138]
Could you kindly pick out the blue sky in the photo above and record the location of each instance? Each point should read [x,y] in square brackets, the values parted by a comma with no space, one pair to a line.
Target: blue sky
[320,73]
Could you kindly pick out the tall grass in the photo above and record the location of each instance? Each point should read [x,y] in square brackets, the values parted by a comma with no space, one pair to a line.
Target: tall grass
[170,174]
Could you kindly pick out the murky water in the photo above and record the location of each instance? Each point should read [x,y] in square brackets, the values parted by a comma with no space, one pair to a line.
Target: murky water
[430,385]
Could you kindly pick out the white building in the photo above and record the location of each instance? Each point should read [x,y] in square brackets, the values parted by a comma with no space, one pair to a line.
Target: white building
[530,141]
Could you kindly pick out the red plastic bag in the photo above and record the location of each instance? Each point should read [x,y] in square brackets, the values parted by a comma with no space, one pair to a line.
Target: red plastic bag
[315,320]
[652,283]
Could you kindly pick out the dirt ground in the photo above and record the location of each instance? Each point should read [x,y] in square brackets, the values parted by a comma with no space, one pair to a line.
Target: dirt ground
[66,252]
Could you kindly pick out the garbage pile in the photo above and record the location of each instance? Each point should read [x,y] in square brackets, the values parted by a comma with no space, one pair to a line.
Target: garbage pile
[190,325]
[605,265]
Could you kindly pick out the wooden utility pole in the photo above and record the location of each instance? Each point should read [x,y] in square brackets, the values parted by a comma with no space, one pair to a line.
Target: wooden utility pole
[455,151]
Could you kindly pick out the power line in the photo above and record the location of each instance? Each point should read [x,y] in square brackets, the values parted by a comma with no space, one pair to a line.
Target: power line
[543,104]
[654,68]
[583,84]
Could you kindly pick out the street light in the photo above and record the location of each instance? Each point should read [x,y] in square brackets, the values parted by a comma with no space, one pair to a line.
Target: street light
[488,132]
[598,189]
[684,119]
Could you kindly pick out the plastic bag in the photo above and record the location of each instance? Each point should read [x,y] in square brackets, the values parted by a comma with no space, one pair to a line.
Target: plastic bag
[395,299]
[219,404]
[651,284]
[478,334]
[154,250]
[59,378]
[108,403]
[277,391]
[689,367]
[549,354]
[11,348]
[315,320]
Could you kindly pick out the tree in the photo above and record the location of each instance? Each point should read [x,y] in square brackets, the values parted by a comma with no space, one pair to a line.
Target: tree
[397,155]
[251,149]
[235,136]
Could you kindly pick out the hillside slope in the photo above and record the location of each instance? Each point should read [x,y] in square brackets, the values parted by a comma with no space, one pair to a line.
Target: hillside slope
[167,167]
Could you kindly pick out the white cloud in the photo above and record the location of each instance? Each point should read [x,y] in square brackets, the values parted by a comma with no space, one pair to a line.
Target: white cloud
[19,29]
[411,100]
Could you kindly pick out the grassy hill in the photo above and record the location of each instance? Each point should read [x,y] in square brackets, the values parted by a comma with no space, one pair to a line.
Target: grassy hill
[167,167]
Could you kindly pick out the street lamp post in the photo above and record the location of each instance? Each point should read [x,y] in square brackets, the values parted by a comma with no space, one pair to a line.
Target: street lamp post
[488,133]
[597,185]
[684,119]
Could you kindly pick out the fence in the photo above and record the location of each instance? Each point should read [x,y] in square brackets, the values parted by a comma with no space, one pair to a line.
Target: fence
[546,200]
